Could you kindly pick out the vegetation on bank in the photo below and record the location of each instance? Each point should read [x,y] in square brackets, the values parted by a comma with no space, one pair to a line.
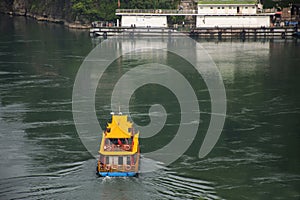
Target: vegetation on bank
[266,3]
[86,11]
[104,10]
[279,3]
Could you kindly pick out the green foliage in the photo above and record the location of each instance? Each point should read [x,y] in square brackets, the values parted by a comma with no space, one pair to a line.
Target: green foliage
[104,10]
[95,9]
[279,3]
[175,19]
[84,8]
[38,6]
[149,4]
[33,7]
[107,9]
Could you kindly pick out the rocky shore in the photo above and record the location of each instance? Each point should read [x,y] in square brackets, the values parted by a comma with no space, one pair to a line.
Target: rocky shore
[52,11]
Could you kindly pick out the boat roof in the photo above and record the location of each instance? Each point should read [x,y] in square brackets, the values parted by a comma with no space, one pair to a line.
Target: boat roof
[227,2]
[119,127]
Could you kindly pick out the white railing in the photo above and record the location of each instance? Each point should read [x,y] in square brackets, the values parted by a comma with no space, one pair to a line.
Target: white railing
[155,11]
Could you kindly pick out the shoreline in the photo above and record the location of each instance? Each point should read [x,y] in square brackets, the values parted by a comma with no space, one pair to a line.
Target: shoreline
[72,25]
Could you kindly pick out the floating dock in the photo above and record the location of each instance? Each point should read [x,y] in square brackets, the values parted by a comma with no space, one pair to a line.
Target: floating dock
[131,32]
[216,32]
[262,32]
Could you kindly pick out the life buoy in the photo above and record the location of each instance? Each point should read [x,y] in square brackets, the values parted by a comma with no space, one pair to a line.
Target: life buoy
[128,167]
[107,167]
[126,147]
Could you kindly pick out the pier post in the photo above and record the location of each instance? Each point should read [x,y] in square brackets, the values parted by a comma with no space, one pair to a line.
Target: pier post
[219,34]
[272,31]
[243,34]
[105,35]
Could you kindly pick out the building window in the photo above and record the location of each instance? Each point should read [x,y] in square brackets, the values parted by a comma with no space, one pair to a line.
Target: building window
[211,7]
[246,7]
[229,7]
[218,7]
[253,7]
[222,7]
[201,7]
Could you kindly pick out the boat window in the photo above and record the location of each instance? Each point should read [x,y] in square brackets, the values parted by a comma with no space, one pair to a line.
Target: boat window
[120,161]
[129,140]
[106,160]
[114,141]
[126,141]
[128,160]
[107,142]
[108,130]
[101,158]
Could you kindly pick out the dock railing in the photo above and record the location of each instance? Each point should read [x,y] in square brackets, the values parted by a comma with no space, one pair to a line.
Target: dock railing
[155,11]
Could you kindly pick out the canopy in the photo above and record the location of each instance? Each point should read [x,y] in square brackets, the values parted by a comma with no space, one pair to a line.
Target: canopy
[119,127]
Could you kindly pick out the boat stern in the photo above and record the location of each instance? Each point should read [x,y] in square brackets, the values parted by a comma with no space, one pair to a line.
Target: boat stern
[118,174]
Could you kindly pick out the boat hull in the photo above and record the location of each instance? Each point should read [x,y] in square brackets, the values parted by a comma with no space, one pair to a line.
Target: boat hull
[117,174]
[119,151]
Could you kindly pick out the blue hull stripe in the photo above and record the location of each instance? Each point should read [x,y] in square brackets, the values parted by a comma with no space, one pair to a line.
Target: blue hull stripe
[117,174]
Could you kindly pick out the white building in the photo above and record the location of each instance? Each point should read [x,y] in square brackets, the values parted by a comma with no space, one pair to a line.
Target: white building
[230,13]
[210,13]
[142,18]
[144,21]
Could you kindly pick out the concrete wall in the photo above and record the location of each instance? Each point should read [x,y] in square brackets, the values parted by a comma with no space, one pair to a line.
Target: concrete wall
[144,21]
[233,21]
[227,9]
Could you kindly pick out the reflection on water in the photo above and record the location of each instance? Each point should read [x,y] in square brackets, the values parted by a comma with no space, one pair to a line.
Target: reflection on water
[257,156]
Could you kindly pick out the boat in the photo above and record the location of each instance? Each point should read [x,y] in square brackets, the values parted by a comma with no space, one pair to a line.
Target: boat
[119,152]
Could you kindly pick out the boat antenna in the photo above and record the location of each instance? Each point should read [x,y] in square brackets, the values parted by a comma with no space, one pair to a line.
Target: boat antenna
[120,113]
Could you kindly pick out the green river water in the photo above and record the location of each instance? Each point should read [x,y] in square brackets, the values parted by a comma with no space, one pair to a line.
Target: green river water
[42,157]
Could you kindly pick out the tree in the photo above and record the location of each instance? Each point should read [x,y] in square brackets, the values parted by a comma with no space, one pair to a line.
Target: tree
[105,9]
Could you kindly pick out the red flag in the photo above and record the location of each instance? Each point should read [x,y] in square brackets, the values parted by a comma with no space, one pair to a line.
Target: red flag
[119,142]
